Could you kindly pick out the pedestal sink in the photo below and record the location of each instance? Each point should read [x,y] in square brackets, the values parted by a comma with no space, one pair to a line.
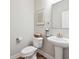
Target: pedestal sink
[59,44]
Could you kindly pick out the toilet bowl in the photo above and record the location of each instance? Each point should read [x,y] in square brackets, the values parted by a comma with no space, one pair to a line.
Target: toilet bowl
[30,51]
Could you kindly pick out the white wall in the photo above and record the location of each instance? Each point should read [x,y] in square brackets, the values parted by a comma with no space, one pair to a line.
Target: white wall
[22,24]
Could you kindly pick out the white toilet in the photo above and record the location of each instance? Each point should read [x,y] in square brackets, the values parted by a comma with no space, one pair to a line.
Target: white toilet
[30,51]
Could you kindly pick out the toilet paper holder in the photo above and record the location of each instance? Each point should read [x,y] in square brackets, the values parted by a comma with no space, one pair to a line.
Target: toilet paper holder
[19,39]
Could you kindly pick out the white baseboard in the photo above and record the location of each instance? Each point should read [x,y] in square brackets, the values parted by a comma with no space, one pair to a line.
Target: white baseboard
[45,54]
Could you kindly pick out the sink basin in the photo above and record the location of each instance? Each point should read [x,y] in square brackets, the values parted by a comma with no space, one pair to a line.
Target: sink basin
[59,42]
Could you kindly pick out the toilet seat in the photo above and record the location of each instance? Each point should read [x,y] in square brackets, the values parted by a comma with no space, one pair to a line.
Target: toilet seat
[28,51]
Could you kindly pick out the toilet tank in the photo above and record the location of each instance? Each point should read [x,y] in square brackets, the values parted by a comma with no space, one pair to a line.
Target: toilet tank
[38,42]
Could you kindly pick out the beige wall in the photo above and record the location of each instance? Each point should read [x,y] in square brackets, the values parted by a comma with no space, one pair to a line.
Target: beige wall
[45,5]
[21,24]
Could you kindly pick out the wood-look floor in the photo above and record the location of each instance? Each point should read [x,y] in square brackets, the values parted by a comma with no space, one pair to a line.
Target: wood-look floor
[39,56]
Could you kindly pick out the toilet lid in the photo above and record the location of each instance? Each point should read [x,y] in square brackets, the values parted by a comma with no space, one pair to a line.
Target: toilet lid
[28,50]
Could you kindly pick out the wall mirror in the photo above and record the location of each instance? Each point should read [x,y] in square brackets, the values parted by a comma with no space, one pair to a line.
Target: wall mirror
[60,14]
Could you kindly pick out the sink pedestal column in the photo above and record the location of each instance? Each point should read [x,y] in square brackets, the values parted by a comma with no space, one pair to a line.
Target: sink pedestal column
[58,53]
